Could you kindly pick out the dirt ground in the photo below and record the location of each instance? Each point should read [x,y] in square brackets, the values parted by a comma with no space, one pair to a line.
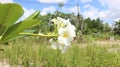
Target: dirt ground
[107,42]
[3,63]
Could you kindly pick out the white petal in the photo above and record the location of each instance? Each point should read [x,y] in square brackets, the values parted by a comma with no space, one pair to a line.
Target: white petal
[70,39]
[54,44]
[61,31]
[72,34]
[64,41]
[60,39]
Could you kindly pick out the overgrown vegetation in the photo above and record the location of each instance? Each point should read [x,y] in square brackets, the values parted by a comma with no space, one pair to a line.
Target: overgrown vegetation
[27,52]
[117,27]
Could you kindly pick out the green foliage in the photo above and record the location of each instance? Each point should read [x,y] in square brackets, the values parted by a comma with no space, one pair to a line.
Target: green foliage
[15,29]
[45,26]
[117,27]
[37,55]
[9,14]
[33,16]
[95,26]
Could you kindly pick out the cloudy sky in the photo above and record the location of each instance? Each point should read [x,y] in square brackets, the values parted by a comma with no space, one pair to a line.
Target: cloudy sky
[107,10]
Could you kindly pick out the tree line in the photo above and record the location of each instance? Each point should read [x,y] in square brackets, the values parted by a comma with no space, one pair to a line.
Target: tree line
[86,26]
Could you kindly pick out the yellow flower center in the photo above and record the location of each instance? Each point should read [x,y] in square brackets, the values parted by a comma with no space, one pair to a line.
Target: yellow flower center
[65,34]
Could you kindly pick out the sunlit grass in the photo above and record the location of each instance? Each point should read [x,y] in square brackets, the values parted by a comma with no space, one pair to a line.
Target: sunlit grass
[36,52]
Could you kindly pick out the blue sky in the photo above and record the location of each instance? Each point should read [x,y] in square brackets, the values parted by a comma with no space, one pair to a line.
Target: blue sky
[107,10]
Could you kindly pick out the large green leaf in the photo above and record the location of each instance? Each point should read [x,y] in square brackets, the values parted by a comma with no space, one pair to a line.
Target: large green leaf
[14,30]
[33,16]
[23,35]
[9,14]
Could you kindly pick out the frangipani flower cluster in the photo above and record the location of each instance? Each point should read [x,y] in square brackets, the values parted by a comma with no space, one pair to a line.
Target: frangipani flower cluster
[66,34]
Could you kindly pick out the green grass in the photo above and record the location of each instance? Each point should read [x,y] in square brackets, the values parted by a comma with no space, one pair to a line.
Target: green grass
[36,52]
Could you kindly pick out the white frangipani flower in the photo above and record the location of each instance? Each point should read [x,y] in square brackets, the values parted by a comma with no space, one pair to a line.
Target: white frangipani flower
[66,35]
[66,32]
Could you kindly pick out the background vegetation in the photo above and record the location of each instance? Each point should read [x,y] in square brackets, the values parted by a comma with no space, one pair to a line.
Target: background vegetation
[32,52]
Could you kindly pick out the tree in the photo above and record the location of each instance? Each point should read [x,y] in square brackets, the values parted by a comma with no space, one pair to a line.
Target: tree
[95,26]
[106,28]
[117,27]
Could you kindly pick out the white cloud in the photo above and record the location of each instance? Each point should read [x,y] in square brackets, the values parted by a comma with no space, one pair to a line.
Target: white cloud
[117,19]
[113,7]
[109,13]
[52,1]
[27,12]
[48,10]
[103,2]
[90,11]
[86,1]
[94,13]
[6,1]
[70,9]
[103,14]
[73,9]
[63,9]
[88,6]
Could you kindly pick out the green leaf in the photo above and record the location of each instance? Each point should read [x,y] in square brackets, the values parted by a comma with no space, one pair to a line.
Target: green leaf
[9,14]
[40,34]
[19,36]
[33,16]
[14,30]
[29,31]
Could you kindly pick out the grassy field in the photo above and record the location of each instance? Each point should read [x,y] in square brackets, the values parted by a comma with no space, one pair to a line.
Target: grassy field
[36,52]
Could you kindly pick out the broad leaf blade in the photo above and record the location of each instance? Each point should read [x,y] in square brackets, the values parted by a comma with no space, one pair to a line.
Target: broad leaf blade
[9,14]
[14,30]
[19,36]
[33,16]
